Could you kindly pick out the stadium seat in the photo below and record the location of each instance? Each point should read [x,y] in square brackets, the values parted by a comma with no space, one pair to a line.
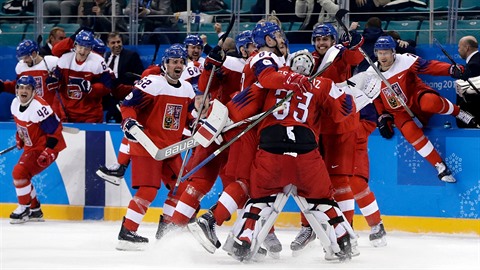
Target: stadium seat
[296,26]
[408,30]
[12,33]
[246,26]
[469,5]
[30,32]
[440,5]
[468,27]
[439,29]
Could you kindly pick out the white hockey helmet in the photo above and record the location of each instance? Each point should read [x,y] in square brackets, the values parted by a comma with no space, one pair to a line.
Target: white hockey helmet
[302,62]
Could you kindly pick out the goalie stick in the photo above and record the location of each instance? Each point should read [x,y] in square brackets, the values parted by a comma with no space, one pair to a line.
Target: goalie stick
[202,105]
[338,16]
[453,62]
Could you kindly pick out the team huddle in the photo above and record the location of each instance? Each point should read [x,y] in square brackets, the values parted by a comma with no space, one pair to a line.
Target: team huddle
[270,123]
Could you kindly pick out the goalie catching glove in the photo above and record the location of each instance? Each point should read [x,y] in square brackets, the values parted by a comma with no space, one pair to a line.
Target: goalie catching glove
[364,87]
[126,125]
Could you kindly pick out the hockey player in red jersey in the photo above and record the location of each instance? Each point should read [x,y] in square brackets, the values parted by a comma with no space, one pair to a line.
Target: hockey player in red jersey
[83,79]
[158,105]
[336,139]
[288,154]
[401,71]
[31,63]
[39,133]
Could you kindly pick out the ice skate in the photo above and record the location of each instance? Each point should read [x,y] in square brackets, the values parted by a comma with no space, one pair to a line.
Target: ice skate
[345,252]
[130,240]
[468,119]
[20,215]
[303,238]
[36,214]
[203,229]
[112,174]
[444,173]
[242,251]
[273,245]
[378,235]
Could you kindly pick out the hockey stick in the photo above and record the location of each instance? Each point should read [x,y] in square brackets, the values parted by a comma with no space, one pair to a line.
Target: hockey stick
[202,105]
[157,46]
[131,74]
[4,151]
[338,16]
[253,124]
[70,130]
[454,63]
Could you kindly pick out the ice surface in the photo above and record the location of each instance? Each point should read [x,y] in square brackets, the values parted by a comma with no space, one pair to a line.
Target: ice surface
[91,245]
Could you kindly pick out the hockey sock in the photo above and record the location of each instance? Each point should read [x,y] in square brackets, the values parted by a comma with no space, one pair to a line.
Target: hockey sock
[190,200]
[138,207]
[233,197]
[34,201]
[23,188]
[124,153]
[344,195]
[415,136]
[249,226]
[434,103]
[366,200]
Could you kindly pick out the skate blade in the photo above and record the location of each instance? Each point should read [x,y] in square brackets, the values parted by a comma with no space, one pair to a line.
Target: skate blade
[110,179]
[129,246]
[19,221]
[36,219]
[274,255]
[198,234]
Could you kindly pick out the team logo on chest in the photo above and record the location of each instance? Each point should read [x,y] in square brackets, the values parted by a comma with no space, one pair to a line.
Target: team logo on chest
[392,98]
[171,119]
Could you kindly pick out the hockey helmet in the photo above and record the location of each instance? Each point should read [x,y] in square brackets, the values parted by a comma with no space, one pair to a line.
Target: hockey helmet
[243,39]
[26,80]
[98,46]
[384,43]
[85,39]
[175,51]
[26,48]
[302,62]
[194,40]
[262,30]
[324,30]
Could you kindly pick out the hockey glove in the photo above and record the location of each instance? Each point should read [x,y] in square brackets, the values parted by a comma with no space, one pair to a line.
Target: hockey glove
[127,123]
[385,125]
[72,37]
[297,82]
[52,83]
[458,72]
[353,43]
[47,157]
[215,58]
[19,141]
[84,85]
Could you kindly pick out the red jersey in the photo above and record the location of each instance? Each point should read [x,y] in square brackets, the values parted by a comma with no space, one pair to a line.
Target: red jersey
[36,123]
[325,99]
[161,108]
[80,106]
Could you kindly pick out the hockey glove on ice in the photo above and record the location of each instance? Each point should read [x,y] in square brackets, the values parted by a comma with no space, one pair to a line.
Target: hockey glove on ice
[385,125]
[47,157]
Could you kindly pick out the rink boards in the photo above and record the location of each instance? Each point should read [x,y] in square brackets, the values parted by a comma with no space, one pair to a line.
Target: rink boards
[409,194]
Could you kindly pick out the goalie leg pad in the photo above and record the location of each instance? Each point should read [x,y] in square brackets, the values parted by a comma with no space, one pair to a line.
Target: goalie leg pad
[213,126]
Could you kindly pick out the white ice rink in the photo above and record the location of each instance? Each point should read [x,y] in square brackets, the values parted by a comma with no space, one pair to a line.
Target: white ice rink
[91,245]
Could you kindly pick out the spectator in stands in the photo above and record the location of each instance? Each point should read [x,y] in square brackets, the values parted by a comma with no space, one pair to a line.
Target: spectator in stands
[157,16]
[372,31]
[56,35]
[124,63]
[325,9]
[469,100]
[403,46]
[97,15]
[67,9]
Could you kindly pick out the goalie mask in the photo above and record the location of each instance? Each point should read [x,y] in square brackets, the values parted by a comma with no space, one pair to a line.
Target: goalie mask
[25,89]
[302,63]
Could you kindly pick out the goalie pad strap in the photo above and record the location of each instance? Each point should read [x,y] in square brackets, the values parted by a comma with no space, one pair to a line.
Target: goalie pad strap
[336,220]
[323,201]
[251,216]
[269,199]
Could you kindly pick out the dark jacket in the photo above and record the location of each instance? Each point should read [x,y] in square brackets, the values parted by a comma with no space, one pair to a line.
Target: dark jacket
[370,36]
[471,103]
